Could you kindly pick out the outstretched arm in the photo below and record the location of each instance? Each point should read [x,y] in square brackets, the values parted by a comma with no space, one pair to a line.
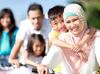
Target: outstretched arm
[14,52]
[29,62]
[85,39]
[59,43]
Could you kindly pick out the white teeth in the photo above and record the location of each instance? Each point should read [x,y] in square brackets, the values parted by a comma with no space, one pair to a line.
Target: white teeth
[74,29]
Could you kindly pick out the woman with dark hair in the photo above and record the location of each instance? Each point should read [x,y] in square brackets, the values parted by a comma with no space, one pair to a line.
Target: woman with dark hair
[8,32]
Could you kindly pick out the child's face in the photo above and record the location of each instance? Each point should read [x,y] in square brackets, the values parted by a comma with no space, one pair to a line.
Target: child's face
[58,24]
[5,21]
[38,48]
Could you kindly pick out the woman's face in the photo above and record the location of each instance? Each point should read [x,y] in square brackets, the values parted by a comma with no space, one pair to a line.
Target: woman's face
[5,21]
[38,48]
[74,25]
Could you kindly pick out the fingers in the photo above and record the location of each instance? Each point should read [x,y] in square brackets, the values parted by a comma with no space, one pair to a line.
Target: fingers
[46,71]
[76,48]
[83,56]
[15,63]
[42,70]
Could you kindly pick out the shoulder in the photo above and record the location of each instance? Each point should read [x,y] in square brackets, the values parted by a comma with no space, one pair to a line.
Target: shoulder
[97,36]
[24,23]
[53,34]
[16,30]
[64,35]
[97,33]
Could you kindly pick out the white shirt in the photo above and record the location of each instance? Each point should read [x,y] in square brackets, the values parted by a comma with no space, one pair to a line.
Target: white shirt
[97,47]
[35,60]
[26,29]
[54,58]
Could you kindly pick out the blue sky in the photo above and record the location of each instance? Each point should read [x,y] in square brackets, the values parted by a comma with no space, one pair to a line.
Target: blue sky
[19,7]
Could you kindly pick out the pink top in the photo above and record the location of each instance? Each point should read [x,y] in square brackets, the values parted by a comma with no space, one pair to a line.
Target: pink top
[73,59]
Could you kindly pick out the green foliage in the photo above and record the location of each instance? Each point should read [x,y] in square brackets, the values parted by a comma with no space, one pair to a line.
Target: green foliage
[93,13]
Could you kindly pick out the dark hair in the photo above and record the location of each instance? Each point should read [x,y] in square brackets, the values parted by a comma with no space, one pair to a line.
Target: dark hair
[31,41]
[55,11]
[12,26]
[35,6]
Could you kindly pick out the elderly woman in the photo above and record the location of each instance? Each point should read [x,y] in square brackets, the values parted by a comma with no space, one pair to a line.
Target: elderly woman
[82,62]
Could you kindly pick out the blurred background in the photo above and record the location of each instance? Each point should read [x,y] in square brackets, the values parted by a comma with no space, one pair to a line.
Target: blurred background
[92,8]
[19,7]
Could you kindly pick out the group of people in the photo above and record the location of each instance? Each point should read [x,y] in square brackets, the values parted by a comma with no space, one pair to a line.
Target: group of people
[65,46]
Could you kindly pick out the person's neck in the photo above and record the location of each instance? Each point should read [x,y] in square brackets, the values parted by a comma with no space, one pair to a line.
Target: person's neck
[38,29]
[6,29]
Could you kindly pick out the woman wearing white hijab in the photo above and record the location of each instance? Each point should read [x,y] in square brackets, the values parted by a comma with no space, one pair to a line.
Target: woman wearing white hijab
[72,63]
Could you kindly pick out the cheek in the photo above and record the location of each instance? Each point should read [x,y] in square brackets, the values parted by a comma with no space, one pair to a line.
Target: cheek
[67,26]
[5,22]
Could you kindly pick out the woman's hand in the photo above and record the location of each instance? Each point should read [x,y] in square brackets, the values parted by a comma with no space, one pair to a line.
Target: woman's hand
[42,69]
[83,56]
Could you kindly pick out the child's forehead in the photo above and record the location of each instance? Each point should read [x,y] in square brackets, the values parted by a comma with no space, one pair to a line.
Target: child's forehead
[57,18]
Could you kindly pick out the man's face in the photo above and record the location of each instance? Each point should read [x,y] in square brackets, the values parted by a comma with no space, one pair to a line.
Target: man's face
[36,18]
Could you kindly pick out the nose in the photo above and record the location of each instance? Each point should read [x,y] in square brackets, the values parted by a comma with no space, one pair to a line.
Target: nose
[39,48]
[36,20]
[72,24]
[59,25]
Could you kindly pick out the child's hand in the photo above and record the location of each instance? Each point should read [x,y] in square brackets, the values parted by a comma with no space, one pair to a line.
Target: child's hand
[83,56]
[42,69]
[77,47]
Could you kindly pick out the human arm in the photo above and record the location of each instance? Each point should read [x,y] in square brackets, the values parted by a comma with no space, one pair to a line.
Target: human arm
[14,52]
[77,47]
[29,62]
[54,53]
[48,61]
[60,43]
[20,37]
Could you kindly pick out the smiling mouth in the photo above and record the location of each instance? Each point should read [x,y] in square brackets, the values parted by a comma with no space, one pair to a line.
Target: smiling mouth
[74,29]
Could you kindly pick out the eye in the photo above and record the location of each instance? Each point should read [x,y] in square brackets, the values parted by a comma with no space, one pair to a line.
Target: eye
[75,19]
[68,21]
[62,21]
[55,23]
